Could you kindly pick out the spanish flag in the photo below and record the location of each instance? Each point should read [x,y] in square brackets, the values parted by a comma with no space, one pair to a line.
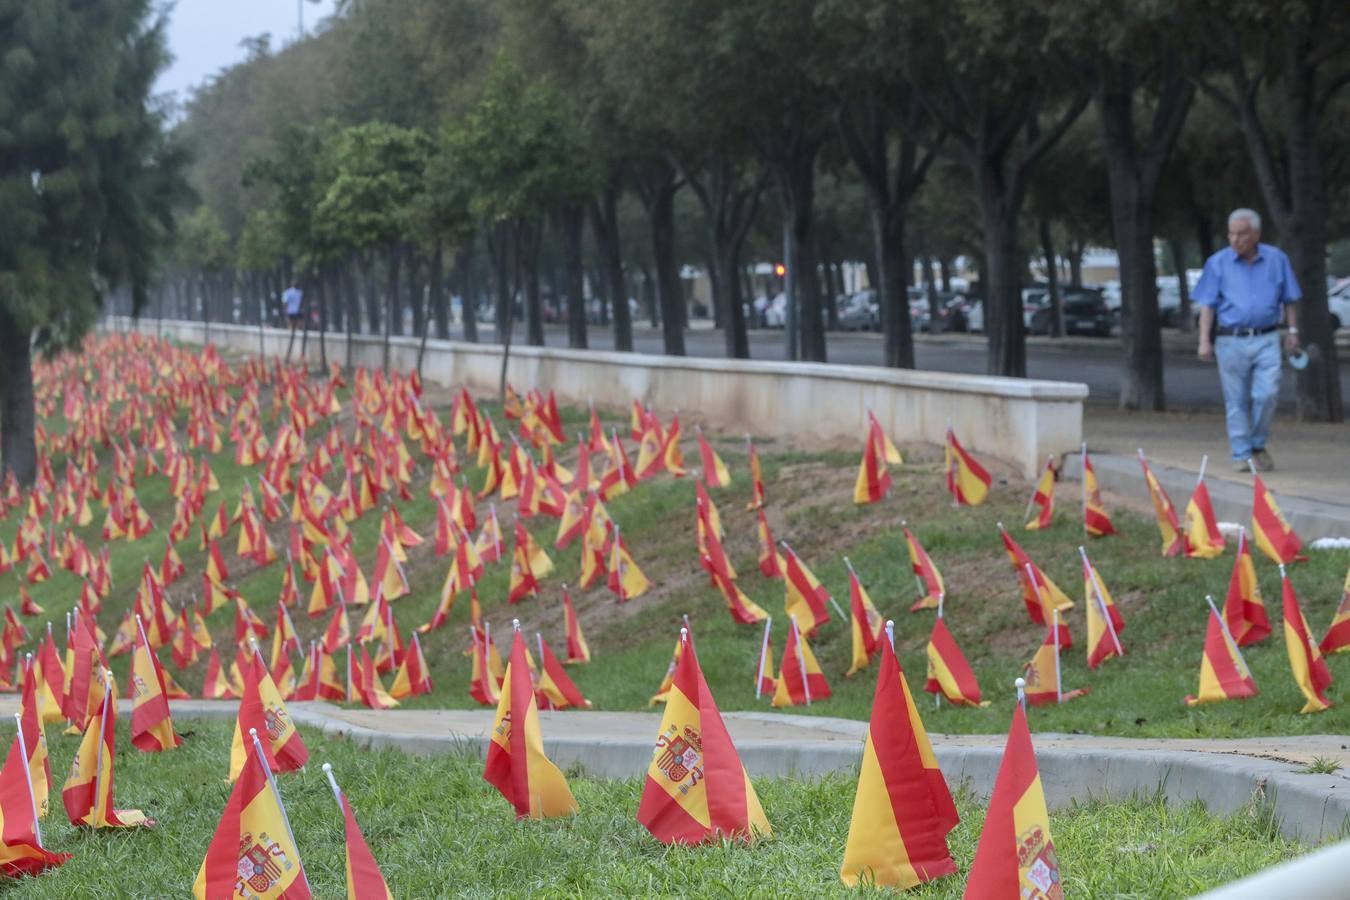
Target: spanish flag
[35,742]
[1305,660]
[578,651]
[1015,856]
[88,791]
[765,683]
[742,608]
[800,680]
[715,472]
[1103,619]
[1163,510]
[805,597]
[926,575]
[1338,635]
[1095,519]
[1243,609]
[902,810]
[1044,680]
[771,563]
[696,789]
[756,476]
[51,680]
[413,677]
[483,685]
[364,879]
[865,623]
[874,480]
[215,683]
[1039,594]
[1202,539]
[523,582]
[151,726]
[1270,530]
[967,480]
[263,709]
[21,852]
[516,764]
[626,580]
[663,692]
[253,853]
[555,687]
[1223,672]
[948,671]
[1043,498]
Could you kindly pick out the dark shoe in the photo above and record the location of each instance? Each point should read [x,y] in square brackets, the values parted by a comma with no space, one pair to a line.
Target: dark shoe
[1263,461]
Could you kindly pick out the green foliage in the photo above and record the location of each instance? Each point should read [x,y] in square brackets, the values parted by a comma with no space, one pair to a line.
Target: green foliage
[261,245]
[204,243]
[377,176]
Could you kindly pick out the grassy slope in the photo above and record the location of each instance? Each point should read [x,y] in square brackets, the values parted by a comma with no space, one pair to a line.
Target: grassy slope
[465,841]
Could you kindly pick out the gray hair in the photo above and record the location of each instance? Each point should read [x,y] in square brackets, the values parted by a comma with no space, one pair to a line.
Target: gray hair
[1250,215]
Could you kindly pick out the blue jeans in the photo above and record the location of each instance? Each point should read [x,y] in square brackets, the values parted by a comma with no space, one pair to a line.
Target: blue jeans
[1249,369]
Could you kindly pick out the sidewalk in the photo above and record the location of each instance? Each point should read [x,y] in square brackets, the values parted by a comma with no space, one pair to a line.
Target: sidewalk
[1311,480]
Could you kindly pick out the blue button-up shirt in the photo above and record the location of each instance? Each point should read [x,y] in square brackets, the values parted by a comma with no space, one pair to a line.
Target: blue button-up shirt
[1247,294]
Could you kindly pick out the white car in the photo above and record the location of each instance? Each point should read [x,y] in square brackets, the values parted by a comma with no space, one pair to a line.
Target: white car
[776,315]
[1338,301]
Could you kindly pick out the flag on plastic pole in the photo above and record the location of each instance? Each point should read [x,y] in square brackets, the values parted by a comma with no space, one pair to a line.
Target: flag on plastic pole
[88,792]
[1044,679]
[364,879]
[1305,660]
[1042,499]
[1095,519]
[21,851]
[1163,511]
[1103,618]
[765,683]
[967,481]
[1244,612]
[800,680]
[1270,529]
[578,651]
[1202,538]
[1223,672]
[1337,639]
[948,672]
[865,623]
[932,589]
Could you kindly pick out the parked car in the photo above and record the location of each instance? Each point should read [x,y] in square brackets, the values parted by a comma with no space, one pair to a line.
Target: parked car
[1338,301]
[860,312]
[775,316]
[1085,312]
[1034,300]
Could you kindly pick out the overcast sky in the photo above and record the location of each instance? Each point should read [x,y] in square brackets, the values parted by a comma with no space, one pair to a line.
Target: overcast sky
[204,35]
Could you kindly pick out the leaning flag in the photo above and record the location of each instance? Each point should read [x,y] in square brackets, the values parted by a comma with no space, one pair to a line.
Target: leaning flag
[805,596]
[414,676]
[715,472]
[948,671]
[516,764]
[865,623]
[1016,857]
[1243,609]
[364,880]
[555,684]
[1223,672]
[926,575]
[1045,683]
[1095,519]
[88,791]
[578,651]
[151,726]
[800,680]
[263,709]
[1270,530]
[1104,622]
[967,480]
[874,480]
[1305,660]
[1163,510]
[1338,635]
[35,742]
[21,852]
[1202,538]
[1043,499]
[902,810]
[764,677]
[253,853]
[756,476]
[696,788]
[771,564]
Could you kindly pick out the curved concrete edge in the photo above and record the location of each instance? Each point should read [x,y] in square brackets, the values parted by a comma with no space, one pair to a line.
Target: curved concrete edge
[1308,808]
[1017,420]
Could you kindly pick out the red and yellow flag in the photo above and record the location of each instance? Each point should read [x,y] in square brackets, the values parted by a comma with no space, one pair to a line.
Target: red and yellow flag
[1305,660]
[1243,610]
[555,689]
[21,853]
[35,742]
[1044,680]
[805,598]
[625,580]
[88,791]
[926,575]
[1095,519]
[252,855]
[1015,856]
[483,684]
[578,651]
[216,684]
[1104,620]
[874,479]
[948,671]
[364,879]
[1270,530]
[1223,672]
[414,676]
[1043,499]
[715,472]
[771,563]
[967,480]
[902,810]
[696,789]
[800,680]
[151,726]
[756,476]
[663,692]
[765,682]
[263,709]
[516,764]
[865,623]
[1202,539]
[1040,595]
[1338,635]
[1163,510]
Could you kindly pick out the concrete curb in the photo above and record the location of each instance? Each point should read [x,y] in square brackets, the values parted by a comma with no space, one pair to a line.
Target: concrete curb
[1232,501]
[1308,808]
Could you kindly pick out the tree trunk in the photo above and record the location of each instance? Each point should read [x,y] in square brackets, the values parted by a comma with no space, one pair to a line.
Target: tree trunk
[799,187]
[1007,350]
[945,267]
[417,298]
[531,237]
[1141,335]
[659,198]
[372,293]
[321,283]
[393,309]
[1076,264]
[649,304]
[18,450]
[572,219]
[888,237]
[499,249]
[440,306]
[468,293]
[1052,279]
[604,221]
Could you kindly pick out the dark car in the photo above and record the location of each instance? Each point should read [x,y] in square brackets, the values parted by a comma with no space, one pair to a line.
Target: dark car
[1085,312]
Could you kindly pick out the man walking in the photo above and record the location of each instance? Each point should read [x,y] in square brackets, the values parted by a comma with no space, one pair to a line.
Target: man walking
[1249,287]
[292,297]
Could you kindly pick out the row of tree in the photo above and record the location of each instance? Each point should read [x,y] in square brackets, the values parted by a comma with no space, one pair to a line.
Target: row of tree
[414,147]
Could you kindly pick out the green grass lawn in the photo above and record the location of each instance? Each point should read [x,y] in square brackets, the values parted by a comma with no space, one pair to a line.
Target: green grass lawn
[437,829]
[810,506]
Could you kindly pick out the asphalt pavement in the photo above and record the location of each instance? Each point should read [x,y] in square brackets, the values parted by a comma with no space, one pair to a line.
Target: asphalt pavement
[1190,385]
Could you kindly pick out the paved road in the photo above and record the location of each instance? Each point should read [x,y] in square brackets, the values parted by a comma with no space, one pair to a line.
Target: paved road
[1189,383]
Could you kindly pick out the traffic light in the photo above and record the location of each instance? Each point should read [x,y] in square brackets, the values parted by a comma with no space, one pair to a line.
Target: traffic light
[779,269]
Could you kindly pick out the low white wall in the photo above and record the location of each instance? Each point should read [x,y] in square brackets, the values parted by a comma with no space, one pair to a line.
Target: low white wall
[1019,421]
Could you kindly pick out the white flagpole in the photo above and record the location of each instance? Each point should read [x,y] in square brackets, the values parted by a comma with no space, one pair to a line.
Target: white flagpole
[1035,587]
[890,633]
[98,764]
[351,687]
[1031,501]
[801,660]
[276,795]
[332,782]
[918,579]
[1021,685]
[1228,636]
[1204,461]
[763,651]
[1101,602]
[28,777]
[1059,684]
[1083,464]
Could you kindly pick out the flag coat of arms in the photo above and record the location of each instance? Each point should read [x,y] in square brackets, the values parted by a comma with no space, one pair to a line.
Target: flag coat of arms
[696,788]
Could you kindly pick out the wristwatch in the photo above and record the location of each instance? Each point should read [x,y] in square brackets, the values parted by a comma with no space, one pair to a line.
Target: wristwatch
[1293,329]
